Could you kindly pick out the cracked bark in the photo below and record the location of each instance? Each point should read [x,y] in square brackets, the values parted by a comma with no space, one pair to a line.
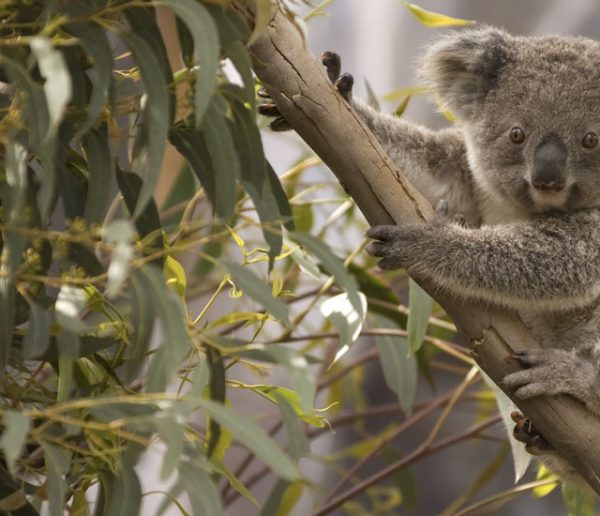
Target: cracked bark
[298,84]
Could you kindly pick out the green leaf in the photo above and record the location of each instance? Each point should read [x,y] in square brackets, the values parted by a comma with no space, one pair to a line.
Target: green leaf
[398,365]
[94,41]
[255,176]
[142,322]
[274,501]
[97,151]
[300,374]
[333,265]
[57,86]
[190,144]
[126,493]
[144,23]
[156,114]
[202,492]
[175,275]
[237,52]
[420,305]
[119,232]
[34,104]
[252,436]
[148,222]
[37,337]
[169,355]
[521,458]
[297,443]
[217,388]
[432,19]
[68,307]
[57,465]
[16,429]
[224,159]
[7,294]
[257,290]
[206,48]
[578,502]
[346,318]
[261,20]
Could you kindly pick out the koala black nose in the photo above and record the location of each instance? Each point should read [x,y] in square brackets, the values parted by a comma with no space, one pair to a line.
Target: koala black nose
[549,165]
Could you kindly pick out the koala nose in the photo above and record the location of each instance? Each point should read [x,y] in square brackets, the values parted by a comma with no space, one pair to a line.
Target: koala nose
[549,165]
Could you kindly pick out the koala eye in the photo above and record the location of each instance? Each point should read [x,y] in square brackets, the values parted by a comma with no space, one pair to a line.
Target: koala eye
[590,140]
[517,135]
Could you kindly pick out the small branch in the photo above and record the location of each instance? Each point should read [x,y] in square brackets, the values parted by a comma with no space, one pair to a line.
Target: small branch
[406,461]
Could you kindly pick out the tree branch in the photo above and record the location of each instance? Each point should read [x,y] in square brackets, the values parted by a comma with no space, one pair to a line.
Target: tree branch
[298,84]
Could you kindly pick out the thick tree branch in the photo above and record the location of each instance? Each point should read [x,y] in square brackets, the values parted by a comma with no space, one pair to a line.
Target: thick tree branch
[304,95]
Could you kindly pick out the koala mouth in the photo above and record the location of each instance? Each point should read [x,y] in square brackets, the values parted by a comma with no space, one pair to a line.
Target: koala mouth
[545,199]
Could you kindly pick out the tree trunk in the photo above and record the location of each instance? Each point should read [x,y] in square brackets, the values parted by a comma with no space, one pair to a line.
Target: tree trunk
[298,84]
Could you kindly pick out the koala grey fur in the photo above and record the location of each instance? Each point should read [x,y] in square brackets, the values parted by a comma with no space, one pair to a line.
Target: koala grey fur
[532,206]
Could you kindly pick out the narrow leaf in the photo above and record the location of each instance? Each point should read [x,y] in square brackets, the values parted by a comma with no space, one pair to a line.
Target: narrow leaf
[156,114]
[252,436]
[258,290]
[97,150]
[166,359]
[206,48]
[57,86]
[16,429]
[432,19]
[95,42]
[420,304]
[37,336]
[398,366]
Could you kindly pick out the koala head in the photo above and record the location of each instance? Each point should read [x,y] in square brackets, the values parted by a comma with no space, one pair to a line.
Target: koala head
[530,111]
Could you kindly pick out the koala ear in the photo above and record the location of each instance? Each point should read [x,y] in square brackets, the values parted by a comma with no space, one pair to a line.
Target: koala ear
[462,67]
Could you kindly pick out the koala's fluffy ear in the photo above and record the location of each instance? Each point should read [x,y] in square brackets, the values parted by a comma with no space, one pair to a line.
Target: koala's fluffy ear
[462,67]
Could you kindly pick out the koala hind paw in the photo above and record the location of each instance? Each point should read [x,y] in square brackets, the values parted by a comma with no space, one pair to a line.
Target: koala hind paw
[526,433]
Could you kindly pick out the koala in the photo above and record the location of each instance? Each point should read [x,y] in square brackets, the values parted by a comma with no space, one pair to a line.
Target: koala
[522,165]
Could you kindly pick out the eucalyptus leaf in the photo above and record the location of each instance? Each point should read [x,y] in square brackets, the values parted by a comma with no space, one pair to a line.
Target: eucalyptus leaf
[126,496]
[95,42]
[257,290]
[16,429]
[420,305]
[97,150]
[37,336]
[171,352]
[252,436]
[398,365]
[156,114]
[206,48]
[297,443]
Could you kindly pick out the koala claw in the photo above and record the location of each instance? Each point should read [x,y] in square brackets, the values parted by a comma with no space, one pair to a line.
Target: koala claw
[526,433]
[332,63]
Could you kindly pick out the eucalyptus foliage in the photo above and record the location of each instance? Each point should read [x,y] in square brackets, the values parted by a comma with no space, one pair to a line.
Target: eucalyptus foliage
[137,332]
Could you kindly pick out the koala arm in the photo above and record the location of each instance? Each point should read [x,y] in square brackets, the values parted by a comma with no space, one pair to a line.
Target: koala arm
[435,162]
[547,264]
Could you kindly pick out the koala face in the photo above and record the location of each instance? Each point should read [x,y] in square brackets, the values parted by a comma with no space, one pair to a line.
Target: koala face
[530,109]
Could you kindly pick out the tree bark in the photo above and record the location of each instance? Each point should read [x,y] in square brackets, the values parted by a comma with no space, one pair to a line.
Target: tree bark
[298,84]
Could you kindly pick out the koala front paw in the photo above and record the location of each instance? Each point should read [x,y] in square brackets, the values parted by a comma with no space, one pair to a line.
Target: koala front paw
[549,372]
[393,244]
[526,433]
